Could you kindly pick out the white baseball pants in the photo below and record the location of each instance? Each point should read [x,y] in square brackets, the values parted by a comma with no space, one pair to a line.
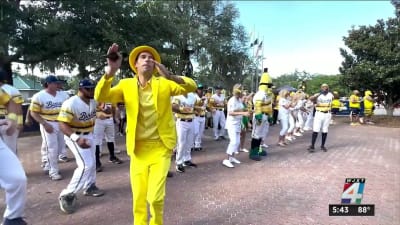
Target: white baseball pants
[185,132]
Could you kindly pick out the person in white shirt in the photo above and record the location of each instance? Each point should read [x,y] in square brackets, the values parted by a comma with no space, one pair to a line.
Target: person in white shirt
[283,115]
[233,124]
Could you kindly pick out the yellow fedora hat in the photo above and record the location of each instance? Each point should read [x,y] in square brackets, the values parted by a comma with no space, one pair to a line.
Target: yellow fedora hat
[143,48]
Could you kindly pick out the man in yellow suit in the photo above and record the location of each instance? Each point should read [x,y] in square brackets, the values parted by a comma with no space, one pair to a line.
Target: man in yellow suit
[151,133]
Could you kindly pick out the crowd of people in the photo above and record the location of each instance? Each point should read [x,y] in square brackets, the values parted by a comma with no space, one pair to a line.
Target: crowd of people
[162,116]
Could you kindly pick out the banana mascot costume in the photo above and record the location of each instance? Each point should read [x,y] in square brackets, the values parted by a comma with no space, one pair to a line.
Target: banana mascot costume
[262,102]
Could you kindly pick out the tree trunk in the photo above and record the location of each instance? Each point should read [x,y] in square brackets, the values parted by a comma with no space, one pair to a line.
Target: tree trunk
[389,105]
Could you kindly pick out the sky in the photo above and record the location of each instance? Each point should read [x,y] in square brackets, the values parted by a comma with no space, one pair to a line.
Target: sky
[306,35]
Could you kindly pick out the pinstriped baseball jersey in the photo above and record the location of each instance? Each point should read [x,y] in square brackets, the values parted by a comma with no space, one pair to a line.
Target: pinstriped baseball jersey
[79,115]
[47,105]
[14,94]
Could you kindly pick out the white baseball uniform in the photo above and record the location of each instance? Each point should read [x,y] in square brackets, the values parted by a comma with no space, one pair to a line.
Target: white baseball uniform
[199,120]
[184,127]
[323,114]
[48,106]
[12,177]
[218,115]
[80,116]
[11,141]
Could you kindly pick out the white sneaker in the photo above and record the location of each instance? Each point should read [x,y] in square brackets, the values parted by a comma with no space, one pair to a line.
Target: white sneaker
[216,138]
[297,134]
[234,160]
[56,176]
[244,150]
[227,163]
[264,146]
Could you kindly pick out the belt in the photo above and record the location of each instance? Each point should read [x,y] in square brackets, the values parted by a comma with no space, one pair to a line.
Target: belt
[2,117]
[220,109]
[265,113]
[201,116]
[185,120]
[324,111]
[83,133]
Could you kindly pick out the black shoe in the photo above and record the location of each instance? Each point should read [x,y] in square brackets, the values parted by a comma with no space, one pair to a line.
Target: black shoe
[115,160]
[99,169]
[255,157]
[15,221]
[93,191]
[170,174]
[311,148]
[192,149]
[67,203]
[222,137]
[324,149]
[180,168]
[189,163]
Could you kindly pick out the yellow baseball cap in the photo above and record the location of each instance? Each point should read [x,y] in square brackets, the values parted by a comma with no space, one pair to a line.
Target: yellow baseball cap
[143,48]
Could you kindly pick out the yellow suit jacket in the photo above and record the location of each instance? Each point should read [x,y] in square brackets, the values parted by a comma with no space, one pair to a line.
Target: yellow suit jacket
[127,91]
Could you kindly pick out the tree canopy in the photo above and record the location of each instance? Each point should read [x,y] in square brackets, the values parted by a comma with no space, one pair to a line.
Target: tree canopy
[373,60]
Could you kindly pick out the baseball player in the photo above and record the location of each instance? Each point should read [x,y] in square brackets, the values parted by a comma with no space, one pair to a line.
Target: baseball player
[262,101]
[12,175]
[199,120]
[217,103]
[45,107]
[77,118]
[183,106]
[11,140]
[104,128]
[322,116]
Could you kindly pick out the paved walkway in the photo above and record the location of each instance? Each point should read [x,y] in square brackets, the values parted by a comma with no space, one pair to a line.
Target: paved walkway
[290,186]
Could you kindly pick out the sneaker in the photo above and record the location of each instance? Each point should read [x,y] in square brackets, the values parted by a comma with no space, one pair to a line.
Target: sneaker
[216,138]
[68,203]
[15,221]
[234,160]
[93,191]
[244,150]
[115,161]
[189,163]
[99,169]
[170,174]
[56,176]
[227,163]
[264,146]
[311,149]
[63,159]
[282,144]
[298,134]
[324,149]
[180,168]
[222,137]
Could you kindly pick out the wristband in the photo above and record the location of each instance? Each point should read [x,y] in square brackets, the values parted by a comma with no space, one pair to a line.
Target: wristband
[12,116]
[74,137]
[20,120]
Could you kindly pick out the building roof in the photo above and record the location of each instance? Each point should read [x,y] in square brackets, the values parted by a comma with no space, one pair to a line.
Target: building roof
[27,82]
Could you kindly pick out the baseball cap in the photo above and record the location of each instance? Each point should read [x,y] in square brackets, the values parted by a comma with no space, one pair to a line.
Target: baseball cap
[143,48]
[51,79]
[218,87]
[200,86]
[87,83]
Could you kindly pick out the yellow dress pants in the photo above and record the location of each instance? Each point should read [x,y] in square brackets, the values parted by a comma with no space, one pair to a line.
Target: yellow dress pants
[149,167]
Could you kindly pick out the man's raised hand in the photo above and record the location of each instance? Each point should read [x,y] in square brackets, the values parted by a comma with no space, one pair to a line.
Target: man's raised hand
[114,59]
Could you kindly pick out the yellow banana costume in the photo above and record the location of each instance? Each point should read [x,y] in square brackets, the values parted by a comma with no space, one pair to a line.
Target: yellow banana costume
[262,114]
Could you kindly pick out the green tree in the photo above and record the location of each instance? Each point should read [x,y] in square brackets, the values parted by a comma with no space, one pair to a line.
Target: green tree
[373,61]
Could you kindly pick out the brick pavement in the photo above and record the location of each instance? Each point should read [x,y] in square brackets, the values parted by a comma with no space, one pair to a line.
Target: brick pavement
[290,186]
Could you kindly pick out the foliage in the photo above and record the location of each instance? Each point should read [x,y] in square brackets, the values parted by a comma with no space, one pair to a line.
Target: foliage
[373,60]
